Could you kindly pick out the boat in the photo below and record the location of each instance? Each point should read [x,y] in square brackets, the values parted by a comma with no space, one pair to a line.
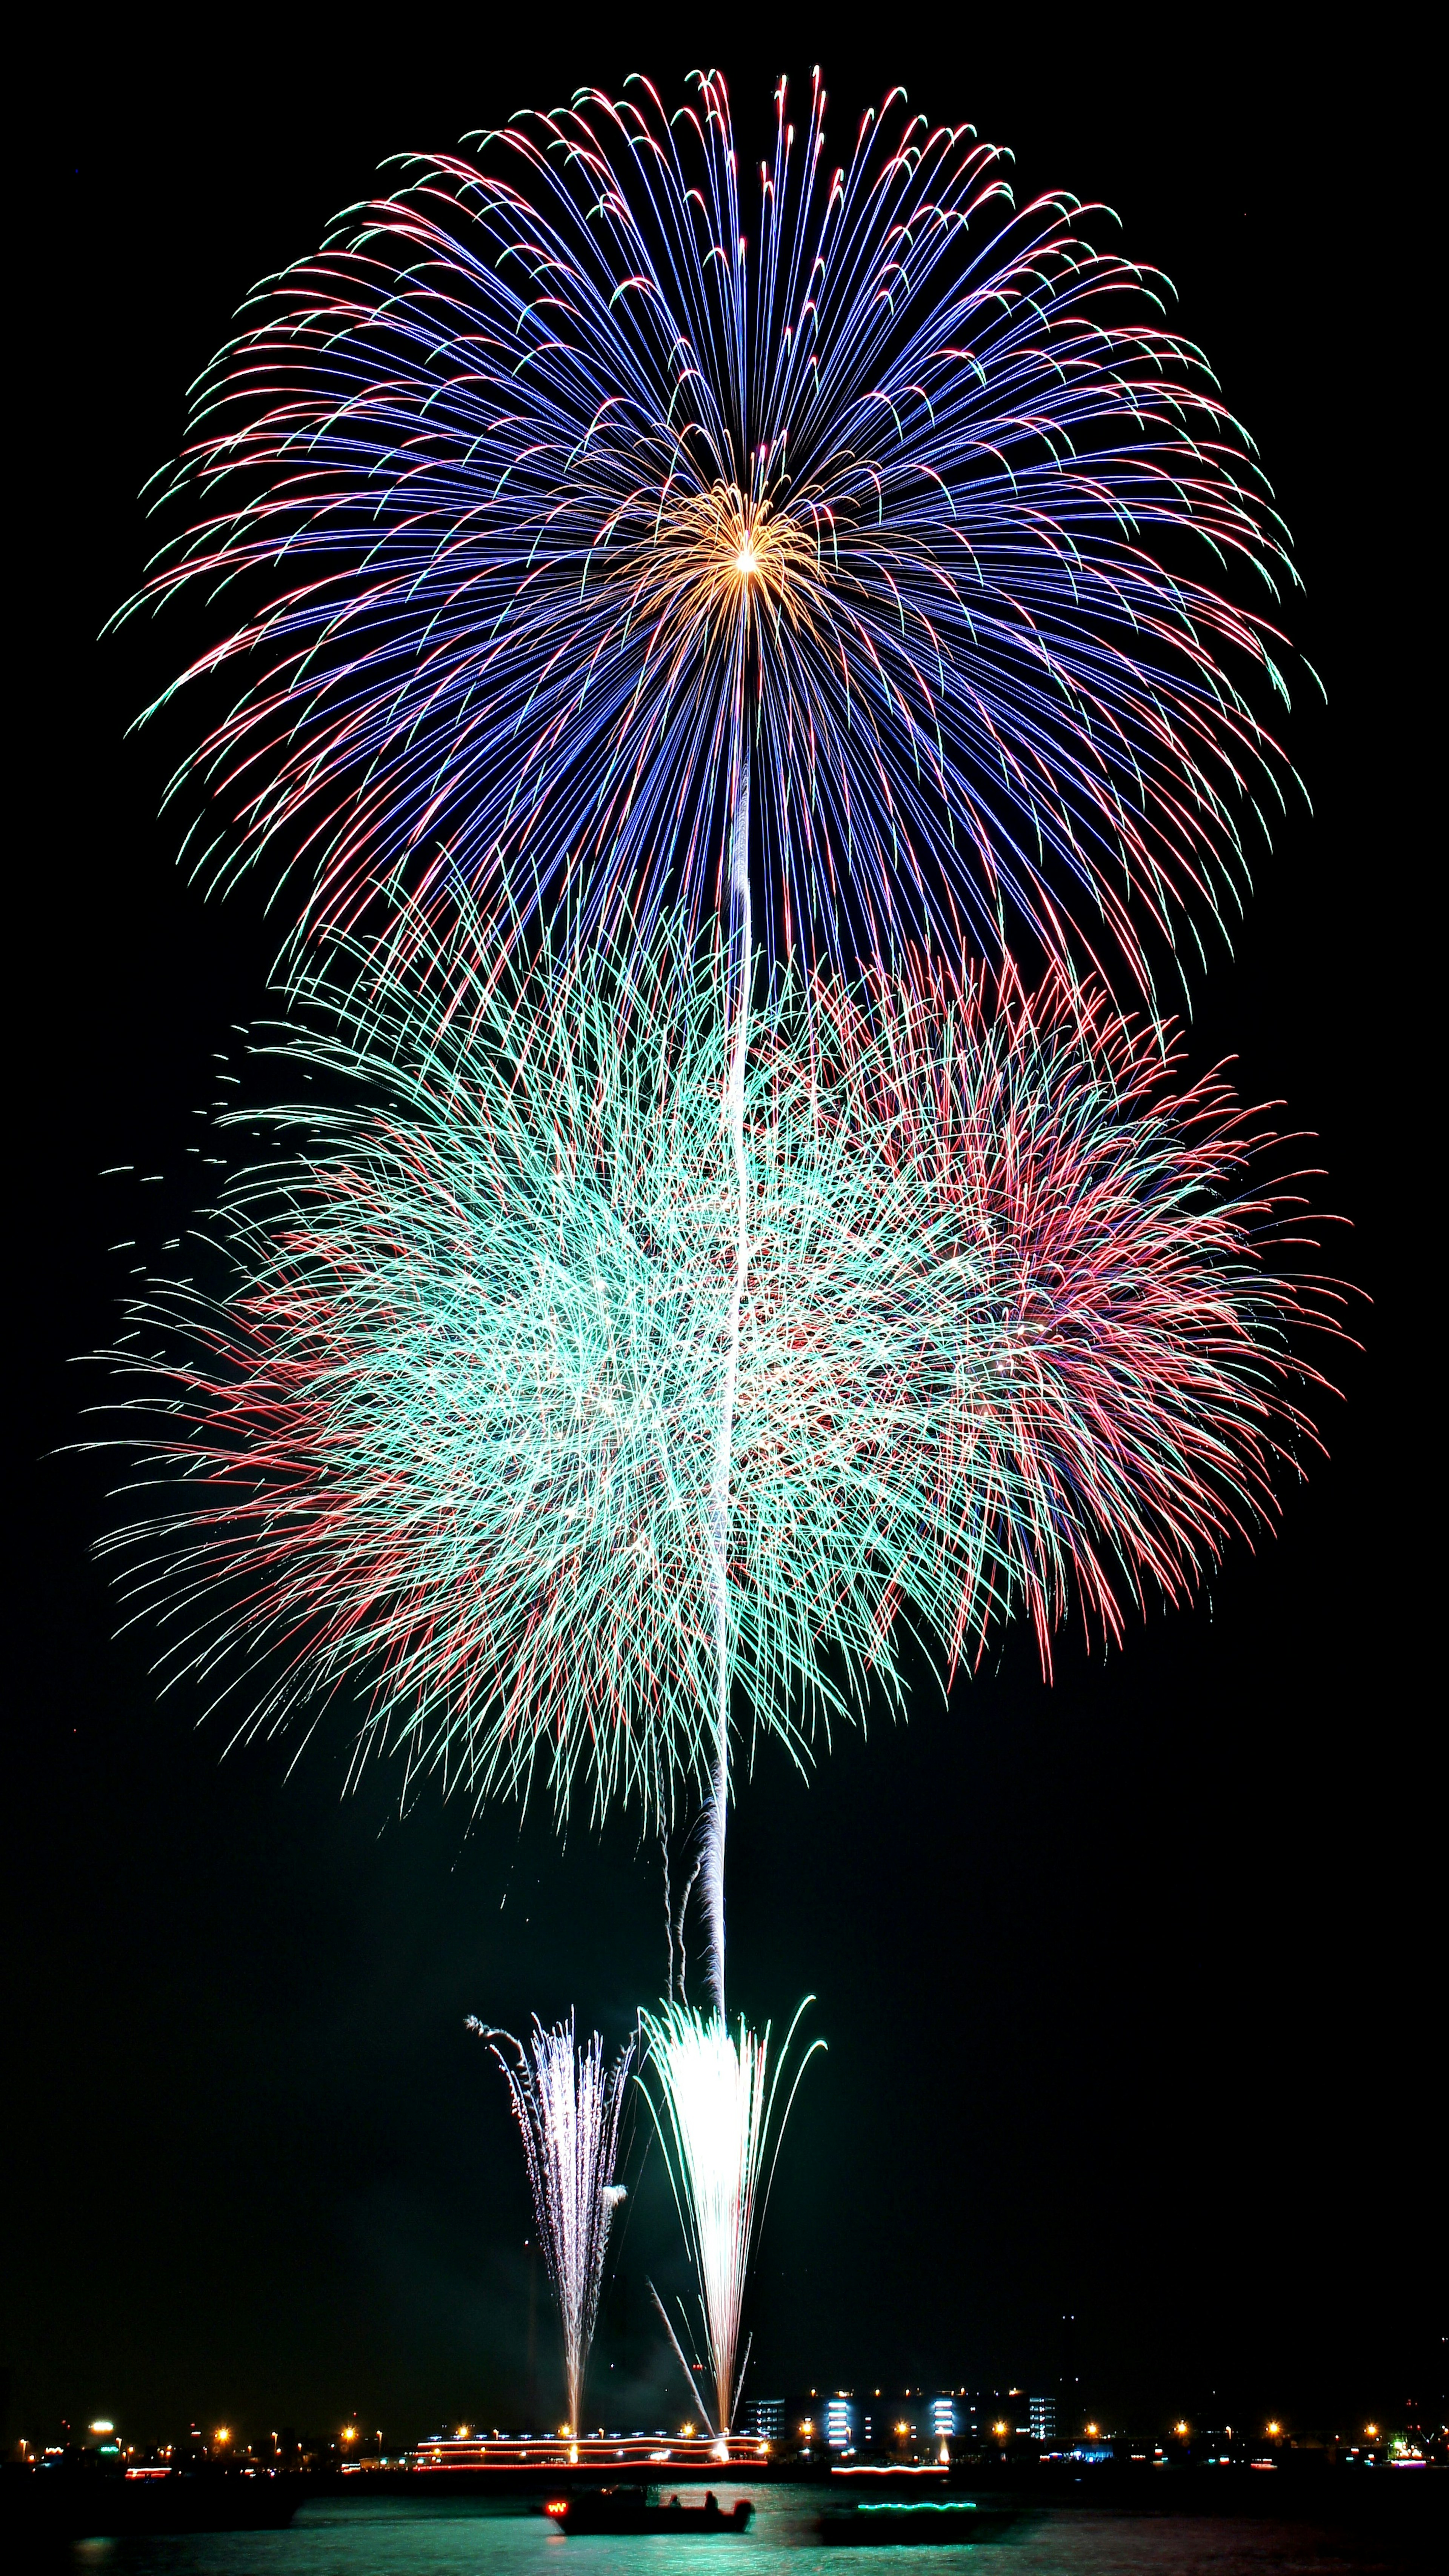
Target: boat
[628,2509]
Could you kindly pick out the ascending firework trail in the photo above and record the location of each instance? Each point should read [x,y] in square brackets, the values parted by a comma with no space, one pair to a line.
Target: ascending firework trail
[742,958]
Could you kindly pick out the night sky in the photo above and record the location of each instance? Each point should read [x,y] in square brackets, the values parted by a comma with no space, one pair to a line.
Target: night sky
[1129,1985]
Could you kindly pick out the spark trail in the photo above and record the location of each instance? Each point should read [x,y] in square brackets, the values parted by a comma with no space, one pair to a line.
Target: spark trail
[742,948]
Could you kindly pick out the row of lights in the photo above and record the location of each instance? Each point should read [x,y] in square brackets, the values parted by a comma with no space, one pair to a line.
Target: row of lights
[1001,2428]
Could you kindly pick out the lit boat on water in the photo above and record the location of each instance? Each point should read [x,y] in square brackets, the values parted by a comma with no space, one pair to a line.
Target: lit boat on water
[628,2509]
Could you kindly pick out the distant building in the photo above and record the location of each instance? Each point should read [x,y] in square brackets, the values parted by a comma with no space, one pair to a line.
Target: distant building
[840,2423]
[908,2422]
[994,2414]
[766,2417]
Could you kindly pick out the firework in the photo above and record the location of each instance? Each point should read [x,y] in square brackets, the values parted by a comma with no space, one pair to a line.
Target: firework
[716,2123]
[1106,1339]
[540,480]
[448,1440]
[450,1436]
[567,2105]
[567,515]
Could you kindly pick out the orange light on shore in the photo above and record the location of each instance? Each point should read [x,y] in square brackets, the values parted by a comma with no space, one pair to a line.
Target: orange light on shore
[1274,2429]
[222,2433]
[349,2432]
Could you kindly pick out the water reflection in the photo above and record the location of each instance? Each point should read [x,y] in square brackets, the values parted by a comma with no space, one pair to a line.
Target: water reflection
[440,2536]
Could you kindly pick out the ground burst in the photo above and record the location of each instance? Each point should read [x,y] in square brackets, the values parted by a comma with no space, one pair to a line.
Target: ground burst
[558,467]
[715,2114]
[449,1439]
[567,2104]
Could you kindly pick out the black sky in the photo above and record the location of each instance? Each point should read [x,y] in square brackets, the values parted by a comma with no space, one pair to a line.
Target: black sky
[1129,1986]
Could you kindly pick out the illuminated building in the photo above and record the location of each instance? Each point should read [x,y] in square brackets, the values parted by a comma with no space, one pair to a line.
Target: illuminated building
[840,2423]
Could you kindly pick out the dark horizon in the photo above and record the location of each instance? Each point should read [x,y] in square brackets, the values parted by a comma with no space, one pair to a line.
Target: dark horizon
[1127,1984]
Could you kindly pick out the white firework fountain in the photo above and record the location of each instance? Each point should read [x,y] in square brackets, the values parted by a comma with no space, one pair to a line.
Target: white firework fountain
[716,2120]
[567,2104]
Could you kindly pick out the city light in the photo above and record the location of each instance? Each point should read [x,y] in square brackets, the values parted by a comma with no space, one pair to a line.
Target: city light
[1372,2431]
[223,2433]
[103,2424]
[349,2432]
[1275,2428]
[1177,2428]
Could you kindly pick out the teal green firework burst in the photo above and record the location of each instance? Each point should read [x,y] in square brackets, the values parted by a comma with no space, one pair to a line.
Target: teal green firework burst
[442,1440]
[446,1437]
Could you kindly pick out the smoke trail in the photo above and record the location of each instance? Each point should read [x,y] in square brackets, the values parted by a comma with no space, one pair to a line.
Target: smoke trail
[567,2106]
[716,2124]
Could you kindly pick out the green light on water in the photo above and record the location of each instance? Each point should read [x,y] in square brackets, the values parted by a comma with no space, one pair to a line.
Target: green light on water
[923,2504]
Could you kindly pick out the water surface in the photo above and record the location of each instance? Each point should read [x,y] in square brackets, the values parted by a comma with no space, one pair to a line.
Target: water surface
[440,2536]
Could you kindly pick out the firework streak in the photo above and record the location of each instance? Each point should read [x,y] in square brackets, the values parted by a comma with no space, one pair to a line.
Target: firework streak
[567,2106]
[539,461]
[715,2119]
[448,1437]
